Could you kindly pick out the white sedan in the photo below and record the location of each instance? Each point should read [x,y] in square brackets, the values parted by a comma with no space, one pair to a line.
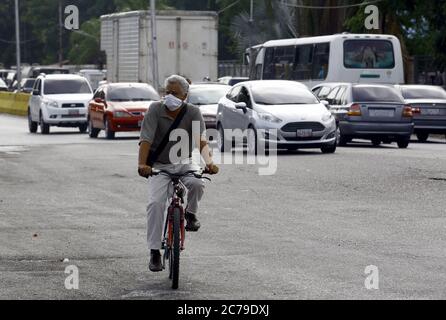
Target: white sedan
[276,113]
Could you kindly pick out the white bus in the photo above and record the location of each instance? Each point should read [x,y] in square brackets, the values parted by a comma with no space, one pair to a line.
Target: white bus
[354,58]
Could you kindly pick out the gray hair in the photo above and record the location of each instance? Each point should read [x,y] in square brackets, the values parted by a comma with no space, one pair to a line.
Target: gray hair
[178,79]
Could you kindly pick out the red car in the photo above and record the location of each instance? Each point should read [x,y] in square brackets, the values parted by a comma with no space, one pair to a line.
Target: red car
[118,107]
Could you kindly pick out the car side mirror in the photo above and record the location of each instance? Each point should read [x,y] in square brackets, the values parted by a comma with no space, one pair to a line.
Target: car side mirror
[36,93]
[241,106]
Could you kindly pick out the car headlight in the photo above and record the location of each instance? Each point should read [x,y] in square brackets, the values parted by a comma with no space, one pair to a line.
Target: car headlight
[327,117]
[120,114]
[51,104]
[269,117]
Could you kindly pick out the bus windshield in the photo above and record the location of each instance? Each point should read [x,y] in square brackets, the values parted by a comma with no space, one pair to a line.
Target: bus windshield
[368,54]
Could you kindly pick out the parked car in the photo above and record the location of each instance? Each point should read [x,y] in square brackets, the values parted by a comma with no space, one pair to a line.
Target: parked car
[118,107]
[372,112]
[206,97]
[430,105]
[59,100]
[3,86]
[231,81]
[301,120]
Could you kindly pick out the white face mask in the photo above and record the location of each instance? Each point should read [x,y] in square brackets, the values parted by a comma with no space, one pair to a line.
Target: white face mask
[172,103]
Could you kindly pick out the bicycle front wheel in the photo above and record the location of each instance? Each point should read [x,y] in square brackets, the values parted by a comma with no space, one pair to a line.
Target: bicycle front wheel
[175,251]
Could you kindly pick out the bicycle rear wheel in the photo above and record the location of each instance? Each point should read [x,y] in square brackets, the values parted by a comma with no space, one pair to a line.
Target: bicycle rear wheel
[175,251]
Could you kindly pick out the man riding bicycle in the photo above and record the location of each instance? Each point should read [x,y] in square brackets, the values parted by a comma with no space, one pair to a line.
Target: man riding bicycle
[157,152]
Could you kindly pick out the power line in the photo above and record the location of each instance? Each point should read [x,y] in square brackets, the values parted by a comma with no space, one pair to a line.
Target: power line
[228,7]
[301,6]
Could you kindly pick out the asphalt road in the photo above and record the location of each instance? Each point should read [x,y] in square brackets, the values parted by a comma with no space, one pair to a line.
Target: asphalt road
[307,232]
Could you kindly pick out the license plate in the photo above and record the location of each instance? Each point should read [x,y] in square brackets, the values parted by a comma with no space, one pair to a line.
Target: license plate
[73,112]
[382,113]
[431,112]
[304,133]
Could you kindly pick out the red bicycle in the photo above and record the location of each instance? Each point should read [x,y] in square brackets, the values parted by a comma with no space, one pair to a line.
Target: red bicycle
[174,228]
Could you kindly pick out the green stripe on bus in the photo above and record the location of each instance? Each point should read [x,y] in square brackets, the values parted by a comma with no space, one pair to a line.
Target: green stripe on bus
[368,76]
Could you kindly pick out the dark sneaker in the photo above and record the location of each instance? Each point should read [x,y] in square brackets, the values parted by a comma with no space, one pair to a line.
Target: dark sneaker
[192,222]
[155,261]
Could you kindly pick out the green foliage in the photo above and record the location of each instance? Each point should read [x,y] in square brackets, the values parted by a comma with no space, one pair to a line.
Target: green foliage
[419,23]
[85,44]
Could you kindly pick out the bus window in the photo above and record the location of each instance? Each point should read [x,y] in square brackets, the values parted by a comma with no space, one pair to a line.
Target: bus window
[303,66]
[279,63]
[321,57]
[368,54]
[269,71]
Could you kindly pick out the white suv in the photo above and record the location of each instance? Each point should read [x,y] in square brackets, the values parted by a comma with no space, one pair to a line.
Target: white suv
[59,100]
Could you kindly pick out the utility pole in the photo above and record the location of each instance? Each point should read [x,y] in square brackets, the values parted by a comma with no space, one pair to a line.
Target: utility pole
[251,18]
[154,45]
[17,35]
[60,35]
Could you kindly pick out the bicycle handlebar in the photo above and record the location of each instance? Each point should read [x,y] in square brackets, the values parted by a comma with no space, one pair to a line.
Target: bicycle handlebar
[197,173]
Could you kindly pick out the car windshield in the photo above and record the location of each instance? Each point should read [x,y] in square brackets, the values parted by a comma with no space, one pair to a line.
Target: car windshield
[132,94]
[66,86]
[376,94]
[28,83]
[424,93]
[207,95]
[269,95]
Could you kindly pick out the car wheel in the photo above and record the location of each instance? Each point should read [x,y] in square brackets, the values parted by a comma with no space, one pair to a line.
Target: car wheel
[83,128]
[32,125]
[221,140]
[403,143]
[422,136]
[109,134]
[92,131]
[376,142]
[44,127]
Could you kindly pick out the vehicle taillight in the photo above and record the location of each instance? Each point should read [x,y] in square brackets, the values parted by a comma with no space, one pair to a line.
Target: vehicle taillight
[407,112]
[355,110]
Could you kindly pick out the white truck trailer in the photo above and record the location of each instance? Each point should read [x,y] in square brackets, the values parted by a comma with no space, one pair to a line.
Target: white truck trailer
[187,44]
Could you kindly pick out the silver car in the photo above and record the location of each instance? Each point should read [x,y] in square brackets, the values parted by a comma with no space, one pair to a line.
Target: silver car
[372,112]
[300,119]
[429,102]
[206,97]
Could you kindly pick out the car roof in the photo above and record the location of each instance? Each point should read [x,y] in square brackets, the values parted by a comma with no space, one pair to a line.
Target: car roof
[418,86]
[372,85]
[209,84]
[126,84]
[265,83]
[60,76]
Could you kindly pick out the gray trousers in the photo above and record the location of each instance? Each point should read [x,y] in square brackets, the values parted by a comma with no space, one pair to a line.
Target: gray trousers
[160,191]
